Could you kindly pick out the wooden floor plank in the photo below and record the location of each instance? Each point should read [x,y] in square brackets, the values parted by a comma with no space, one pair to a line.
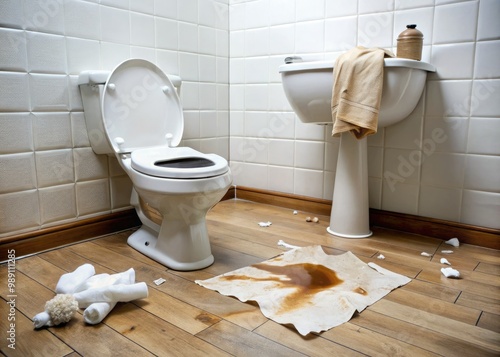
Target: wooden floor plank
[238,341]
[432,315]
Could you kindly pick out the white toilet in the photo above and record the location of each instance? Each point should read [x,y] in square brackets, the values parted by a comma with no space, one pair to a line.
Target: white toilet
[134,113]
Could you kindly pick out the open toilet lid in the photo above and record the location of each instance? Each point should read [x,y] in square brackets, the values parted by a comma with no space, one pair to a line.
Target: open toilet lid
[141,107]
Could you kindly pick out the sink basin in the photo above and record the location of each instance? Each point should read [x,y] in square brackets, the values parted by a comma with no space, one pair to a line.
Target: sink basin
[308,88]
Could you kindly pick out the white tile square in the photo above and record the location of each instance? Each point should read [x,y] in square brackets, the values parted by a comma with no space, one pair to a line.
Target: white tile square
[88,165]
[14,92]
[455,61]
[488,27]
[190,96]
[282,125]
[209,11]
[208,96]
[222,70]
[83,55]
[44,17]
[256,123]
[166,8]
[251,175]
[281,153]
[280,179]
[282,39]
[13,56]
[188,66]
[208,68]
[144,6]
[341,8]
[402,166]
[443,170]
[409,4]
[281,12]
[54,167]
[142,30]
[16,133]
[23,213]
[257,97]
[481,208]
[455,22]
[147,53]
[208,124]
[486,62]
[309,10]
[237,97]
[207,40]
[237,70]
[448,98]
[256,42]
[236,124]
[166,33]
[256,70]
[18,172]
[49,92]
[168,61]
[12,14]
[375,162]
[485,98]
[236,44]
[93,197]
[82,19]
[308,183]
[51,131]
[445,134]
[483,136]
[399,197]
[376,30]
[46,53]
[309,155]
[341,33]
[115,25]
[439,202]
[188,37]
[237,17]
[112,54]
[309,36]
[57,204]
[223,124]
[482,173]
[257,14]
[187,10]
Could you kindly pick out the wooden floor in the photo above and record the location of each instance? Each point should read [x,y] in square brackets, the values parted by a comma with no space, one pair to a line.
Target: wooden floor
[432,315]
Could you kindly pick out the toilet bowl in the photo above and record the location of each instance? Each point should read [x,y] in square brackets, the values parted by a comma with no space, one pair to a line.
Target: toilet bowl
[134,113]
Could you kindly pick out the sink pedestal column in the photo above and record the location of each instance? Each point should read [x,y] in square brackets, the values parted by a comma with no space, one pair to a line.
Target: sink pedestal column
[350,208]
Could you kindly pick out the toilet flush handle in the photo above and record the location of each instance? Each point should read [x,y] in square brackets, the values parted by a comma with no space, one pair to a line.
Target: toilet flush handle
[169,137]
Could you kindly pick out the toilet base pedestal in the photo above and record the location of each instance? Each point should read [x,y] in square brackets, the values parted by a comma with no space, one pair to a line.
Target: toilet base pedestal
[350,207]
[182,257]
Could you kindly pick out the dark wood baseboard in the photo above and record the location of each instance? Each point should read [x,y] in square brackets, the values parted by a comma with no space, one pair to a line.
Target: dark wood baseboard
[49,238]
[469,234]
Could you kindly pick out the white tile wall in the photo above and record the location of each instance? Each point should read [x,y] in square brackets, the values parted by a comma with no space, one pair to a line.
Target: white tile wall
[455,178]
[49,174]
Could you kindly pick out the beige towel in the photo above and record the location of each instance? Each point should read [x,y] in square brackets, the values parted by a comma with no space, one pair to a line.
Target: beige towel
[358,80]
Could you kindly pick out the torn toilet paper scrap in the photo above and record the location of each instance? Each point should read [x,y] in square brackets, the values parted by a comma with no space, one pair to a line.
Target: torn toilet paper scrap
[308,288]
[453,241]
[450,273]
[265,224]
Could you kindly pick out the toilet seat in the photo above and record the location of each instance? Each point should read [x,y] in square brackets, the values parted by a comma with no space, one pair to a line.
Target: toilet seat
[141,108]
[178,163]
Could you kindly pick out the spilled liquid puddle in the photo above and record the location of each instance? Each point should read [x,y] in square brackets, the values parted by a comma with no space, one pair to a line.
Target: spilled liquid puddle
[307,279]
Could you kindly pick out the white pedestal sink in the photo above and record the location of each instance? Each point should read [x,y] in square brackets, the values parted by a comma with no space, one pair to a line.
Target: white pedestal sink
[308,88]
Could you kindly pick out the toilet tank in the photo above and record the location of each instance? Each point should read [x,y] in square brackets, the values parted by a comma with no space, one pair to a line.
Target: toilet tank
[91,84]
